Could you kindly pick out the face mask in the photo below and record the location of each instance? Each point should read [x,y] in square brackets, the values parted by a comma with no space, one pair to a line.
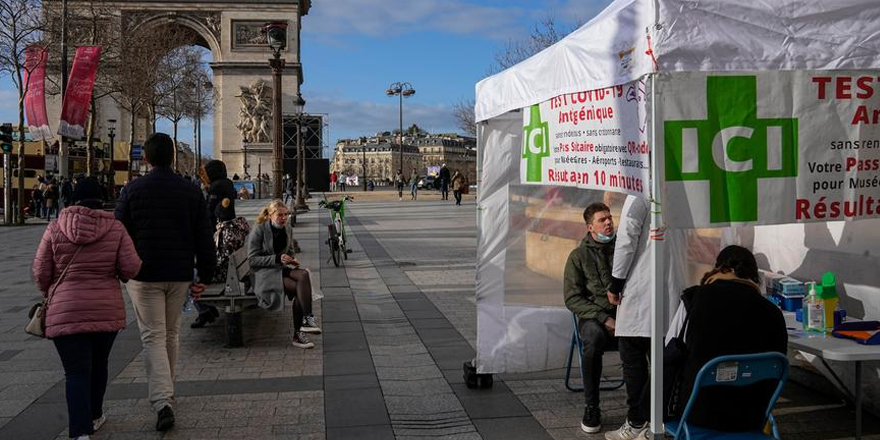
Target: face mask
[602,238]
[277,226]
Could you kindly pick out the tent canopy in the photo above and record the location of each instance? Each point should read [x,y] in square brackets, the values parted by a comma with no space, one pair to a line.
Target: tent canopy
[624,41]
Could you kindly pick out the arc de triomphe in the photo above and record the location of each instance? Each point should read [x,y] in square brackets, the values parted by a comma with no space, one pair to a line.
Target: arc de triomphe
[231,29]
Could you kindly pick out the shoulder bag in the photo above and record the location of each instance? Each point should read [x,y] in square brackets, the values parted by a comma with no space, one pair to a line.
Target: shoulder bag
[37,324]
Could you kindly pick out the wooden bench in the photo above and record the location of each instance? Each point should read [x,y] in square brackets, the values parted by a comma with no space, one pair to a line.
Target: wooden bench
[233,295]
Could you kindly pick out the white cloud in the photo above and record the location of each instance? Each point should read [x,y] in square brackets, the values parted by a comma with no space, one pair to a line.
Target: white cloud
[348,118]
[395,17]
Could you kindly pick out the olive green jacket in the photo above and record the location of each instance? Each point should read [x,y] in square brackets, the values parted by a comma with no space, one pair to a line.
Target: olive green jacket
[587,280]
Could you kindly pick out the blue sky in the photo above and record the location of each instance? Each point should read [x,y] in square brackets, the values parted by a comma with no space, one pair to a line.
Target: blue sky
[352,50]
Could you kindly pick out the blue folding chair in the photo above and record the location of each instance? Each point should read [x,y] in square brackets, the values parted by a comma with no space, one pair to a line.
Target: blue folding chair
[734,370]
[577,343]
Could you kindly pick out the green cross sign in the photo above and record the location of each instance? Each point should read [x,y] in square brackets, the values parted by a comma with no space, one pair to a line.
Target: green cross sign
[732,148]
[536,144]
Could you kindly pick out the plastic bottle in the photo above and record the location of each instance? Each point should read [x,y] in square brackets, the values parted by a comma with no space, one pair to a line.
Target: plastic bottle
[830,299]
[187,305]
[814,310]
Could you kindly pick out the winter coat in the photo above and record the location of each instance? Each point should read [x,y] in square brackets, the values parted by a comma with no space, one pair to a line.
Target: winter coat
[266,265]
[631,271]
[167,219]
[728,316]
[219,188]
[458,182]
[587,279]
[444,175]
[230,236]
[89,298]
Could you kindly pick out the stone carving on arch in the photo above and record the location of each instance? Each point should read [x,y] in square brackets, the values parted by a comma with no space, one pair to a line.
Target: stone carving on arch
[205,24]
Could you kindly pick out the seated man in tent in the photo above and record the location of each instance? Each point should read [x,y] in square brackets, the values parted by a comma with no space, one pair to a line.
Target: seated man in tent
[585,285]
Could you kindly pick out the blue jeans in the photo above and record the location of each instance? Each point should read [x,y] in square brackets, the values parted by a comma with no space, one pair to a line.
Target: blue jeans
[85,357]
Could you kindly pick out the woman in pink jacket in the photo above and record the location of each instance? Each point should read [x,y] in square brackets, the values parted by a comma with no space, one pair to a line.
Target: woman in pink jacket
[86,310]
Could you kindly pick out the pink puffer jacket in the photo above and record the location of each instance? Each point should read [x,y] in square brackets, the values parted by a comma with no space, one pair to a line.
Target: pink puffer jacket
[89,298]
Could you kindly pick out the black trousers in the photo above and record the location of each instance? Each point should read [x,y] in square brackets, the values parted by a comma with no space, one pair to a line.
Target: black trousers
[596,341]
[635,353]
[84,356]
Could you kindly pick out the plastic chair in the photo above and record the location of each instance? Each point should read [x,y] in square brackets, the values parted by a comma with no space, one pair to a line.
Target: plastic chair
[577,343]
[736,370]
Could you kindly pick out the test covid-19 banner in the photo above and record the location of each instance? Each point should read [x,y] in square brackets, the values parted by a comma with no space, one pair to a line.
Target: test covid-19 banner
[769,147]
[594,139]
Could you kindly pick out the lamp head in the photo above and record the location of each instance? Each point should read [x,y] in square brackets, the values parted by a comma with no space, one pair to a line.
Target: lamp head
[276,35]
[390,92]
[409,92]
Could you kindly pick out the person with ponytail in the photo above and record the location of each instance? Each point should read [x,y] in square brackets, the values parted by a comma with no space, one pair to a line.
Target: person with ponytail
[277,272]
[726,314]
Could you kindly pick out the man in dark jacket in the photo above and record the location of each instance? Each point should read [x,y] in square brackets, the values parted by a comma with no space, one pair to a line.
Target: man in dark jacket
[167,219]
[213,174]
[444,182]
[585,285]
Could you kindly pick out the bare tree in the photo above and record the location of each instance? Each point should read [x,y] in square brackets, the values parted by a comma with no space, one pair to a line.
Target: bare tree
[136,74]
[178,72]
[20,26]
[544,34]
[200,94]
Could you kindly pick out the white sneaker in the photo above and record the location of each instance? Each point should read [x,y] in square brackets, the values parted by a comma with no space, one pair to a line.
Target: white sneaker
[310,325]
[82,437]
[627,432]
[99,422]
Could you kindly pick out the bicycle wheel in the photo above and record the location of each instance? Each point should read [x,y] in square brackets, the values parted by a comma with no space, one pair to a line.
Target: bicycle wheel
[333,241]
[342,246]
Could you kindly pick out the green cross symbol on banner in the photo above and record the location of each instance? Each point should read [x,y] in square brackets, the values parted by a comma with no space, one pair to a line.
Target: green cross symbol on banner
[536,144]
[732,148]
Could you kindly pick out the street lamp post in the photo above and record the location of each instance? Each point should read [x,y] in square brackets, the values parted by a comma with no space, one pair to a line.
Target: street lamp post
[276,36]
[364,150]
[300,201]
[209,87]
[111,133]
[403,90]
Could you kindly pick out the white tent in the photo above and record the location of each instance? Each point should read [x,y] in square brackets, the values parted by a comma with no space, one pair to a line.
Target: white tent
[630,95]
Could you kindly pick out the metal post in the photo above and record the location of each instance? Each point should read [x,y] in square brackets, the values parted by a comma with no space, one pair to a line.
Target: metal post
[112,194]
[300,202]
[7,188]
[401,131]
[199,138]
[364,149]
[305,172]
[259,178]
[63,166]
[277,64]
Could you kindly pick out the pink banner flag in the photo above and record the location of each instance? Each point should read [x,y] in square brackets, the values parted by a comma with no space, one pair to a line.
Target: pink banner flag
[75,107]
[34,76]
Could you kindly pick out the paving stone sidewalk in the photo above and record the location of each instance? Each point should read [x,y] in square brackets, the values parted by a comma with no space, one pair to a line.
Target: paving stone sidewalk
[399,319]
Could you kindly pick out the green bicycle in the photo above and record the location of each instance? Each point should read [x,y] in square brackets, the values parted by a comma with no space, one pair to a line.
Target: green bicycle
[336,228]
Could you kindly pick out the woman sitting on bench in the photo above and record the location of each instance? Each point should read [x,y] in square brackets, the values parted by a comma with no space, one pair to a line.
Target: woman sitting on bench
[271,250]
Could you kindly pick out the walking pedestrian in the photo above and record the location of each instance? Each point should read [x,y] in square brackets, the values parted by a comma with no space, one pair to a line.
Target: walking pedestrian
[444,182]
[37,202]
[66,193]
[333,179]
[458,185]
[400,182]
[167,219]
[78,266]
[291,189]
[414,184]
[277,272]
[343,180]
[51,196]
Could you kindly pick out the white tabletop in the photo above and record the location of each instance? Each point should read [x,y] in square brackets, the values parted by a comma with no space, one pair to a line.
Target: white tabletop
[827,346]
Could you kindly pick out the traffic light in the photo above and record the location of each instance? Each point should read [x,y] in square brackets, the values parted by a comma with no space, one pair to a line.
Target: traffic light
[6,137]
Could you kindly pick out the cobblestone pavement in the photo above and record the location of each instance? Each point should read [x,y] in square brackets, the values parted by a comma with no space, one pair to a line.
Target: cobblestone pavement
[399,318]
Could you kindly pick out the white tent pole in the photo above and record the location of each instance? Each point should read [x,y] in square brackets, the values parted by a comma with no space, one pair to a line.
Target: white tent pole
[657,257]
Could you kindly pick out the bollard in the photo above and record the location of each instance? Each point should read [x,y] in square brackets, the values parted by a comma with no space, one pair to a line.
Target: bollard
[233,329]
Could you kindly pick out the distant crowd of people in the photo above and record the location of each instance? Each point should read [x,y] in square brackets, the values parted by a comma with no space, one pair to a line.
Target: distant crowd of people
[166,240]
